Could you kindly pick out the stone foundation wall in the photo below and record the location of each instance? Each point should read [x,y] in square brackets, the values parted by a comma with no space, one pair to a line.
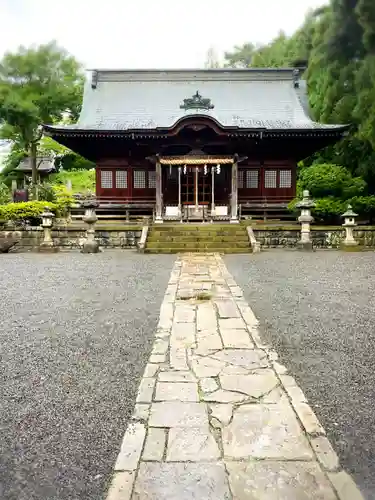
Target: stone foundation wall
[72,238]
[322,237]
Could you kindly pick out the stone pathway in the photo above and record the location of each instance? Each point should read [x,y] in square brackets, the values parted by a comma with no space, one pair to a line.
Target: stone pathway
[217,417]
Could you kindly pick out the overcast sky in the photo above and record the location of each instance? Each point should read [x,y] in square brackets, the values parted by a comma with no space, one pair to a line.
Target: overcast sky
[146,33]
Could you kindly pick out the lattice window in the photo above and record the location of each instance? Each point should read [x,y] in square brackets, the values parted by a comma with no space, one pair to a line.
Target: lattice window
[240,179]
[106,179]
[152,179]
[139,179]
[270,177]
[285,179]
[252,179]
[121,179]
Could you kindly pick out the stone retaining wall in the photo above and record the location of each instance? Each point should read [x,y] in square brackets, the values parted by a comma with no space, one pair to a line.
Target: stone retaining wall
[72,238]
[128,237]
[322,237]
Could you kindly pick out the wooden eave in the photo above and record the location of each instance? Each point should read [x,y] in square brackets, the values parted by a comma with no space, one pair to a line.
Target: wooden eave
[234,132]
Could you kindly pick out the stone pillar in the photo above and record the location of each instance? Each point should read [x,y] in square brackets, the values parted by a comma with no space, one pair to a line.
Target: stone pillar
[159,204]
[90,245]
[47,243]
[349,225]
[234,193]
[305,243]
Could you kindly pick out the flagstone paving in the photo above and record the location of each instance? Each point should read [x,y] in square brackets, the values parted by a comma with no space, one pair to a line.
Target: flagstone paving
[217,417]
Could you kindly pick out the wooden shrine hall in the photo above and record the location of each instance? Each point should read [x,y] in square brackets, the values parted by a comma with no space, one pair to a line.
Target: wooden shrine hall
[195,144]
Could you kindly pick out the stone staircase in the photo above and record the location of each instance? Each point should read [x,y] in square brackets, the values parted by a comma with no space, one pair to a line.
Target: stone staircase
[222,238]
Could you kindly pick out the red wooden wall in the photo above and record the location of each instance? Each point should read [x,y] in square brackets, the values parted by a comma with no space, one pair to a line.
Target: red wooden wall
[118,179]
[267,181]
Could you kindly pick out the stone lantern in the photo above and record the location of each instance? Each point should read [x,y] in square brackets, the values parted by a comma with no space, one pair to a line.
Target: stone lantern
[47,221]
[90,245]
[349,225]
[305,205]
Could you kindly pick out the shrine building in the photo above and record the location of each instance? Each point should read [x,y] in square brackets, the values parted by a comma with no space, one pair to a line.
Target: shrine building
[195,144]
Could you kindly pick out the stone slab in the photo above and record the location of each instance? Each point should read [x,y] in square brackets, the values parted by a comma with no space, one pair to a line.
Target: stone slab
[278,481]
[155,444]
[160,346]
[235,323]
[221,396]
[131,447]
[265,431]
[121,486]
[150,370]
[184,314]
[345,486]
[325,453]
[207,367]
[181,481]
[236,339]
[227,309]
[256,385]
[208,384]
[141,411]
[191,444]
[247,358]
[171,376]
[183,333]
[222,412]
[178,414]
[176,391]
[146,389]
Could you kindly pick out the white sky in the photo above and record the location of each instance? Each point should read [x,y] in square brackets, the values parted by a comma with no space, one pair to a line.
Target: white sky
[147,33]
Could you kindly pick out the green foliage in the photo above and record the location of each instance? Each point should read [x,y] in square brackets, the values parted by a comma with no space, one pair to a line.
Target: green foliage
[37,85]
[5,194]
[72,161]
[83,181]
[330,180]
[26,211]
[329,210]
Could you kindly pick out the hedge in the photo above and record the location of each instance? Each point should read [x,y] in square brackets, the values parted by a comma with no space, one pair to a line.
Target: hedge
[29,210]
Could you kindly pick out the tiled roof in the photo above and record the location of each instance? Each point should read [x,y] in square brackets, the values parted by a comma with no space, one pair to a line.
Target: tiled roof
[44,164]
[117,100]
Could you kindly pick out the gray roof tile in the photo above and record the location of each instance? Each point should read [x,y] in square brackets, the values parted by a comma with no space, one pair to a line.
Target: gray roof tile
[44,164]
[148,99]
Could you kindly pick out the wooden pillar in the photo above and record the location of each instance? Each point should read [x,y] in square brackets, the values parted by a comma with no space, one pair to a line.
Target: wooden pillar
[196,188]
[234,194]
[159,207]
[212,191]
[179,192]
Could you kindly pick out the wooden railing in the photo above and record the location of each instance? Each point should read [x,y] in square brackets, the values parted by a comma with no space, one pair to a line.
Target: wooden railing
[264,200]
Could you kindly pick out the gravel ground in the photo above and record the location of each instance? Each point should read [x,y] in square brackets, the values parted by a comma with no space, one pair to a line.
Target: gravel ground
[318,311]
[76,333]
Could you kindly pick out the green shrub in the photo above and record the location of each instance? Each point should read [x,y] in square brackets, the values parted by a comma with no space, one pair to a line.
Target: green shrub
[26,211]
[364,206]
[5,194]
[329,210]
[329,180]
[83,181]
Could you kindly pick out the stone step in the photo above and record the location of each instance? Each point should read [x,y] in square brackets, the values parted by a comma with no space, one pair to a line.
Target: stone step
[198,250]
[195,227]
[197,244]
[157,238]
[203,234]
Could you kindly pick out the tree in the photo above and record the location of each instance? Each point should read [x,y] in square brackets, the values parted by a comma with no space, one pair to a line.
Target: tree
[241,56]
[37,85]
[212,61]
